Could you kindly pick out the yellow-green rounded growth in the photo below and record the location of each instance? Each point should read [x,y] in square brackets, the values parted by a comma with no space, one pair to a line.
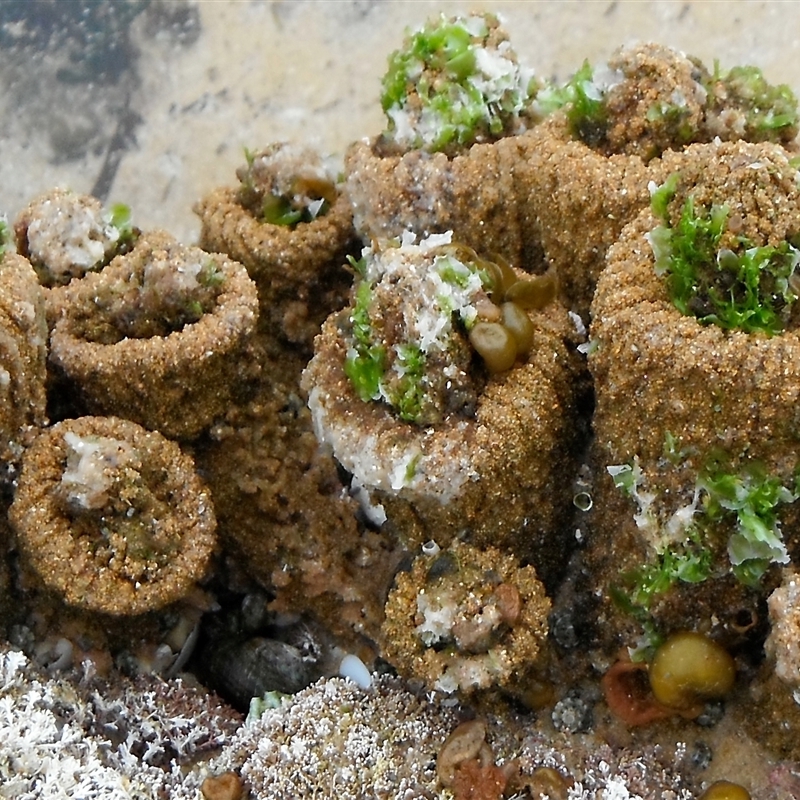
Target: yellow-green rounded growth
[690,668]
[725,790]
[495,344]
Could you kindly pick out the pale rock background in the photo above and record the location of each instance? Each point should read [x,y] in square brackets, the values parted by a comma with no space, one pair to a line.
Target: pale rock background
[185,86]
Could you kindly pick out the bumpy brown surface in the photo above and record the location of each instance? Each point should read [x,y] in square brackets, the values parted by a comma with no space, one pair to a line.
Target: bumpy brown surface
[80,565]
[582,195]
[652,363]
[23,342]
[285,512]
[580,200]
[768,710]
[516,451]
[658,105]
[481,195]
[176,383]
[465,587]
[299,271]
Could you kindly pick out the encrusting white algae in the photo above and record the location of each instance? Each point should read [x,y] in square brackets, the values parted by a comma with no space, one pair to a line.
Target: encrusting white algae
[466,472]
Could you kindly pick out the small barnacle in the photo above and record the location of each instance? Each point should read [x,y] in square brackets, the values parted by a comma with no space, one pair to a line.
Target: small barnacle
[572,715]
[701,755]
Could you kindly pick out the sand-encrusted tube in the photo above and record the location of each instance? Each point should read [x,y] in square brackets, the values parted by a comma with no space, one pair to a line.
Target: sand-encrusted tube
[697,386]
[286,513]
[295,259]
[65,235]
[578,201]
[23,354]
[652,362]
[456,99]
[591,161]
[467,620]
[155,337]
[398,393]
[112,517]
[481,195]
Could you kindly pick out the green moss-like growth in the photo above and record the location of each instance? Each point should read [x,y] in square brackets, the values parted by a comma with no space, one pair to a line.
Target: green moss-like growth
[366,361]
[731,526]
[407,393]
[747,500]
[120,218]
[6,236]
[285,185]
[739,287]
[769,111]
[584,103]
[453,83]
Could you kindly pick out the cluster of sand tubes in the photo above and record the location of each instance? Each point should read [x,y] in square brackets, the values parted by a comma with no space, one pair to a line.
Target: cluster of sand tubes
[507,408]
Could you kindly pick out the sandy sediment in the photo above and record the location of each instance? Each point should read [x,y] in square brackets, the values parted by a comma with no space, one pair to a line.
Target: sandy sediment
[480,194]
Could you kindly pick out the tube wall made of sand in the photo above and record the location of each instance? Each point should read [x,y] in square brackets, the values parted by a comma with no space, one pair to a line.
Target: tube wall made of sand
[501,478]
[299,270]
[481,195]
[157,336]
[687,410]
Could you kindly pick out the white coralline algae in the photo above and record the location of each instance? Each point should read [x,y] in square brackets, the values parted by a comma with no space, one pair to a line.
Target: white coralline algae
[81,736]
